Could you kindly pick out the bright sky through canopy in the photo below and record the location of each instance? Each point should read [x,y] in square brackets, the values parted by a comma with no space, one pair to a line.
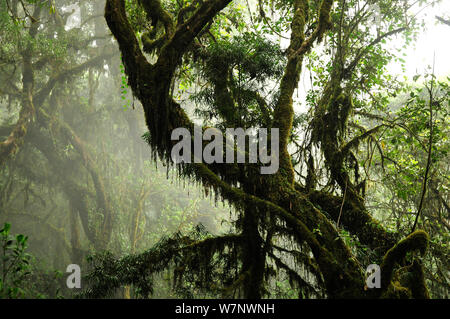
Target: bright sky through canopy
[434,40]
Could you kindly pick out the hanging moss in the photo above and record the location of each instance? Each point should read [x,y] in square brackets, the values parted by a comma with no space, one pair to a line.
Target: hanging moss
[261,202]
[192,258]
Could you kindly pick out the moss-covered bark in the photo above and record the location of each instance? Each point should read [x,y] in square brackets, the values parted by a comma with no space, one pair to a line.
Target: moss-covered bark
[417,241]
[263,202]
[27,112]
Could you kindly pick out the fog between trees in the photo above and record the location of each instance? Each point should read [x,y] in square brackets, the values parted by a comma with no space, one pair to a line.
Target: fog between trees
[90,92]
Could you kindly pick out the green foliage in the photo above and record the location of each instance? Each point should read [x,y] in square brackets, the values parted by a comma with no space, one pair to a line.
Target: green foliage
[234,66]
[403,160]
[21,274]
[192,263]
[124,88]
[251,56]
[237,71]
[15,263]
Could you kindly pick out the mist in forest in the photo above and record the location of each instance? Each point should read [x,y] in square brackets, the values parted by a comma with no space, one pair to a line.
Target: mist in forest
[89,98]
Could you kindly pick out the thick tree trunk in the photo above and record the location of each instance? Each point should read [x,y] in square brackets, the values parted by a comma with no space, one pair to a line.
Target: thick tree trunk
[274,198]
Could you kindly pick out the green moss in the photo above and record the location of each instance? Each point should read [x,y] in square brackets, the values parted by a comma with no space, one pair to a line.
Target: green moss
[324,17]
[275,200]
[150,44]
[417,241]
[417,281]
[396,291]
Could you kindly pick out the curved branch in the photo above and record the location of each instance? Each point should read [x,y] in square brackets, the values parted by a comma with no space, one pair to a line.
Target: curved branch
[416,241]
[363,51]
[447,22]
[42,94]
[357,139]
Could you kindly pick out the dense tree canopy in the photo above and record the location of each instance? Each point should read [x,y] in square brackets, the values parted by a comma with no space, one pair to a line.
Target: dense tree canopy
[88,105]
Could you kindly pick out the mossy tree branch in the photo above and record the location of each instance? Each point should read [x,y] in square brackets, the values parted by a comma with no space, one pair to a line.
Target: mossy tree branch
[27,112]
[417,241]
[273,198]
